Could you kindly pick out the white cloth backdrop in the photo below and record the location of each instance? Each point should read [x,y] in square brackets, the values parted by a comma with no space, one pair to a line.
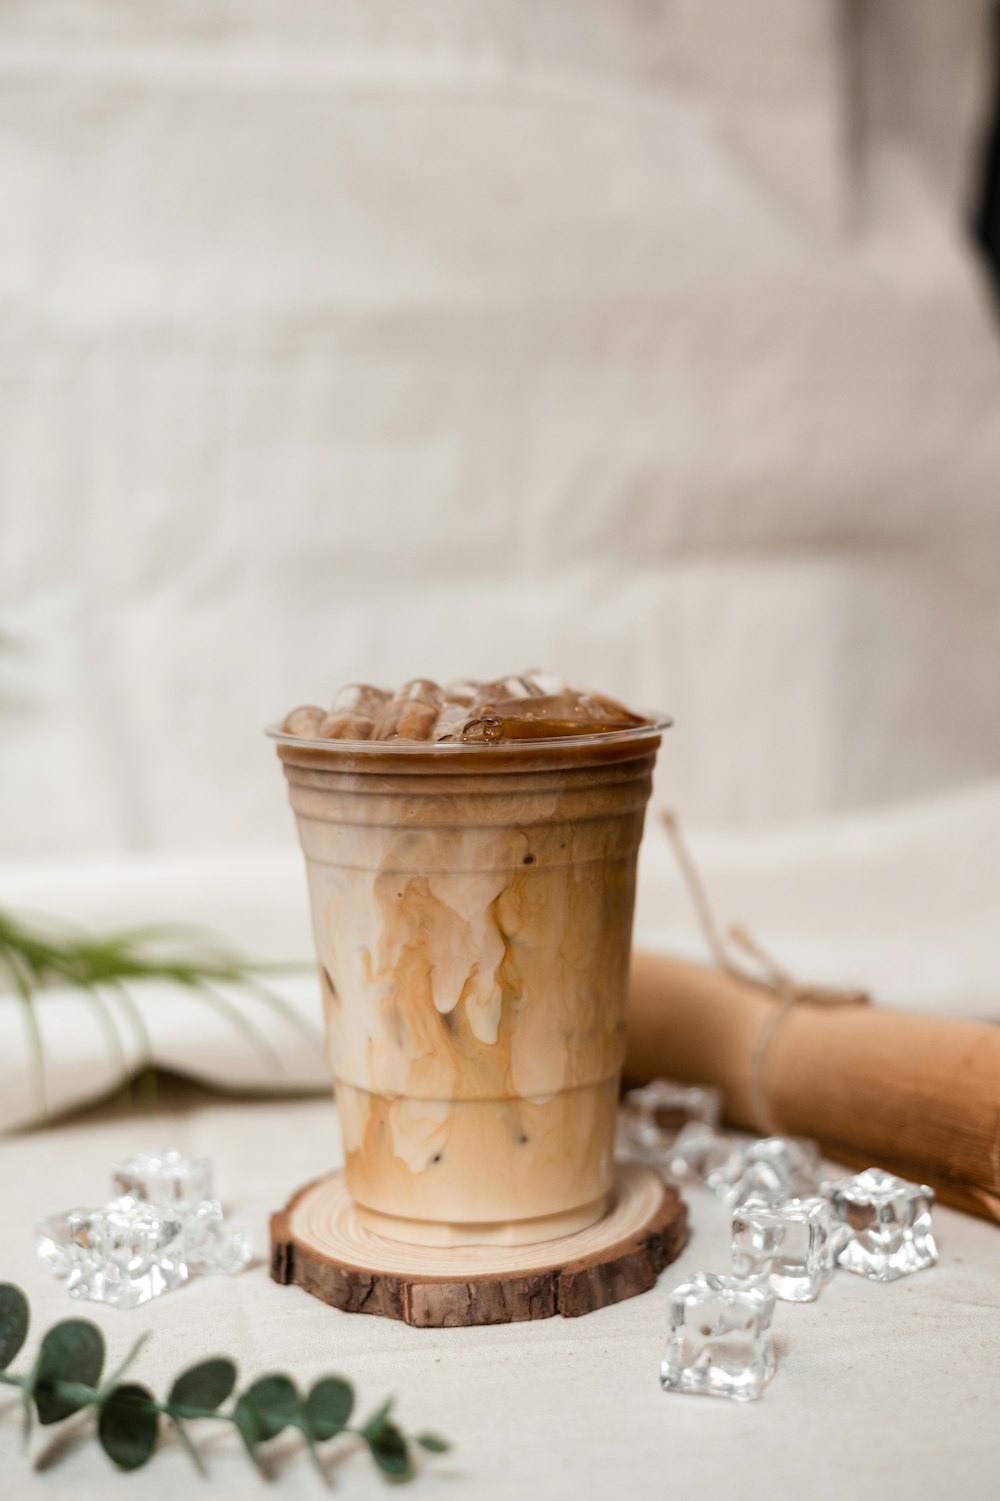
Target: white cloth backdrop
[384,337]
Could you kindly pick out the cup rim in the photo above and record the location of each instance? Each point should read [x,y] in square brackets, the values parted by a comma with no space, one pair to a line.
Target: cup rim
[655,721]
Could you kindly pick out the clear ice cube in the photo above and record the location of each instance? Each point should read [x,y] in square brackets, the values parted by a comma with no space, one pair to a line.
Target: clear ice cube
[123,1254]
[210,1245]
[724,1170]
[670,1106]
[720,1341]
[651,1119]
[788,1242]
[698,1154]
[165,1177]
[772,1167]
[882,1225]
[56,1235]
[150,1239]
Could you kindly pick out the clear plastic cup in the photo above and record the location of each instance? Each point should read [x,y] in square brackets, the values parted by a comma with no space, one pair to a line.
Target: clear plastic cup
[472,914]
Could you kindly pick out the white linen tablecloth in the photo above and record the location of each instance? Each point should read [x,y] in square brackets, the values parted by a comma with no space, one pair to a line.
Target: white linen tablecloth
[879,1390]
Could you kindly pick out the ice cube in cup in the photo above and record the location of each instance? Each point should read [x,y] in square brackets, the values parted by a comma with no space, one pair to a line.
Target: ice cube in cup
[354,713]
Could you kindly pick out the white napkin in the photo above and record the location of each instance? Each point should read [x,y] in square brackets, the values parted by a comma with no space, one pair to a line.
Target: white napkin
[93,1042]
[253,901]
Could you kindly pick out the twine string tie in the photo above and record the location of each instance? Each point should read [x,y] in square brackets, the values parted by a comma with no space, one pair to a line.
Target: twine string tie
[736,952]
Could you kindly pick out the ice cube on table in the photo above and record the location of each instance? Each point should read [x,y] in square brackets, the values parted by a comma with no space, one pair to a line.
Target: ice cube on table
[57,1244]
[165,1177]
[725,1169]
[882,1225]
[164,1227]
[720,1338]
[668,1106]
[122,1255]
[772,1167]
[211,1245]
[698,1154]
[788,1242]
[651,1119]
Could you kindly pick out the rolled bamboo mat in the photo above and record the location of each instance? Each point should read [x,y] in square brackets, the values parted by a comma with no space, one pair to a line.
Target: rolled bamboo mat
[917,1095]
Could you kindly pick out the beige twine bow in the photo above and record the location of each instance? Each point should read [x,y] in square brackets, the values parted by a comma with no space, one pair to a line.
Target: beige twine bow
[730,951]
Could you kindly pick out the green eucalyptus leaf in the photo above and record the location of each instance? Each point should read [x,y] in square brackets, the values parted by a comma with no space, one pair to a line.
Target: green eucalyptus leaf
[247,1426]
[14,1316]
[275,1404]
[203,1388]
[328,1407]
[71,1351]
[433,1443]
[377,1420]
[128,1425]
[389,1451]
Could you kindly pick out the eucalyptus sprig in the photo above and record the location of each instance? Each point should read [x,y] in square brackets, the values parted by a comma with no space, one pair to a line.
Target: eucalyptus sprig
[33,958]
[66,1378]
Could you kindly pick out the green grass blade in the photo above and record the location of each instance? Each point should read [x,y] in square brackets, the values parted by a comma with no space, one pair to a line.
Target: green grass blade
[242,1023]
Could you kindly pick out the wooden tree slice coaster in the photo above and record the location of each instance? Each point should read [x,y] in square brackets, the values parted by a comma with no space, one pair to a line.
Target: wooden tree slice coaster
[318,1243]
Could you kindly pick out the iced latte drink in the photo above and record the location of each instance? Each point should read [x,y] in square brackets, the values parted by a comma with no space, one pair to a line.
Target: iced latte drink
[471,856]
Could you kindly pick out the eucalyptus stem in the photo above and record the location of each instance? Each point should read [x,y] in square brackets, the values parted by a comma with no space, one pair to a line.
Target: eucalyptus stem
[66,1379]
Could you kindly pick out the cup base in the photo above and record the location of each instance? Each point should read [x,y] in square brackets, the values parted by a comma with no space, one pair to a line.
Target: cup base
[487,1233]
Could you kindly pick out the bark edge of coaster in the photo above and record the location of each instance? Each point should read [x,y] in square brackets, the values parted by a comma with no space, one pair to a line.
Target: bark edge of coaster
[318,1244]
